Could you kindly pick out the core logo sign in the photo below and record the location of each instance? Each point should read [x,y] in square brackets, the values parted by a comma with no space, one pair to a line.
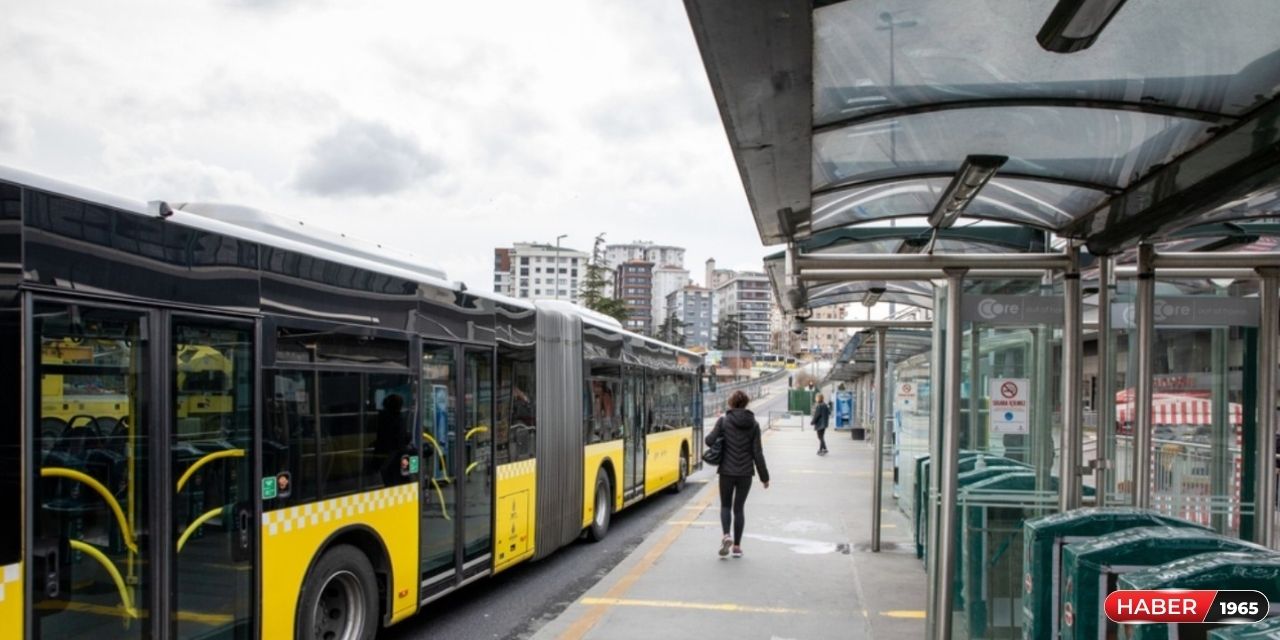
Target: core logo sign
[1178,606]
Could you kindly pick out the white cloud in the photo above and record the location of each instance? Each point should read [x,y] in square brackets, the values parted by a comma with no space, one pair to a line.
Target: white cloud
[444,128]
[364,159]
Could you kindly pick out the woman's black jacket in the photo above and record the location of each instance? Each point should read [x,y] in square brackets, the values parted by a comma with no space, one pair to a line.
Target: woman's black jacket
[741,450]
[821,416]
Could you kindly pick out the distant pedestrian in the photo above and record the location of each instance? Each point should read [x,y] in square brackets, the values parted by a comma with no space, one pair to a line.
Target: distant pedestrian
[741,456]
[821,418]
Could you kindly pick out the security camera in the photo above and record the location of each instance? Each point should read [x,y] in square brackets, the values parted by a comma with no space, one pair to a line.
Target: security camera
[797,326]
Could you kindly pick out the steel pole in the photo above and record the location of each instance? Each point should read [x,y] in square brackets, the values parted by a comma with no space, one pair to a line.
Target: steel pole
[877,464]
[938,355]
[1265,493]
[1072,444]
[949,463]
[1105,446]
[1145,316]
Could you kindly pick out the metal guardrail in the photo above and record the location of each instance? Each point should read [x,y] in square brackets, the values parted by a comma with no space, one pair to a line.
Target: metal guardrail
[787,420]
[713,402]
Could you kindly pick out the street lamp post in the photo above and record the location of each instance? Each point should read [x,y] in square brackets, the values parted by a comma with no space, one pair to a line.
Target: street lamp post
[557,265]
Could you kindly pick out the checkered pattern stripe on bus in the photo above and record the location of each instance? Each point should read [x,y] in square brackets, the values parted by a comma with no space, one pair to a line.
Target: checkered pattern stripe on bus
[344,508]
[517,469]
[10,575]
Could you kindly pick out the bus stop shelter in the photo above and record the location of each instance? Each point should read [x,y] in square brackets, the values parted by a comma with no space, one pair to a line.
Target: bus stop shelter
[1116,130]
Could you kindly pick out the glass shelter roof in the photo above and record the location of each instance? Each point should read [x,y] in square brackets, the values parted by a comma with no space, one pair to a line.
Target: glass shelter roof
[852,112]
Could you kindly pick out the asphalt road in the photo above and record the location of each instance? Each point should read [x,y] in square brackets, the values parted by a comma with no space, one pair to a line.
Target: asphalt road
[516,603]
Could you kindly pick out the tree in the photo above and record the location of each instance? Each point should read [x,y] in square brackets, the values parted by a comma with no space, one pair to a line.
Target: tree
[730,336]
[671,331]
[592,294]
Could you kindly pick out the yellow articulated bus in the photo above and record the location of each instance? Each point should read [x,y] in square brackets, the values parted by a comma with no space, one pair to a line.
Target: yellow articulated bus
[230,428]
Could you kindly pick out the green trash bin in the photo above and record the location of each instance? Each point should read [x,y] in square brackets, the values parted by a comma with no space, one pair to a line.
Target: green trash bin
[1265,630]
[1043,542]
[1223,571]
[1091,569]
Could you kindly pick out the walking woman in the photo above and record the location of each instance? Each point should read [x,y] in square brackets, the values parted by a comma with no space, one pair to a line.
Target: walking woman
[821,416]
[741,456]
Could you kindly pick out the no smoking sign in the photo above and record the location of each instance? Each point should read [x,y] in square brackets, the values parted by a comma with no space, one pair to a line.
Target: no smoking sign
[1009,402]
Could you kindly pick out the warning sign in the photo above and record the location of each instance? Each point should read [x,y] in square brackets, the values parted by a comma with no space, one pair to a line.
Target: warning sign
[1009,402]
[907,396]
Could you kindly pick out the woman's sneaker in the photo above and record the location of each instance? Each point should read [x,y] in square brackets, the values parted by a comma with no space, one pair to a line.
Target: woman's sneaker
[725,543]
[737,551]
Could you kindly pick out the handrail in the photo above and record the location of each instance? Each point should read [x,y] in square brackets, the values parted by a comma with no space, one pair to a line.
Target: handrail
[191,528]
[111,569]
[444,464]
[216,455]
[475,431]
[440,494]
[72,474]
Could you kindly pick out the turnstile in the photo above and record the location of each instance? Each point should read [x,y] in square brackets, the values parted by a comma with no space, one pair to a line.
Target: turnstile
[1092,568]
[1043,542]
[1255,571]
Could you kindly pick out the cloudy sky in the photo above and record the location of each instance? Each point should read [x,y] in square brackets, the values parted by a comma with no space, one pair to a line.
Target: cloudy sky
[444,128]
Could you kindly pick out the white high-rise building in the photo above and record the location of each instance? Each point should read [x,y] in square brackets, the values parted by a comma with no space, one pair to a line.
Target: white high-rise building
[535,271]
[660,255]
[666,280]
[746,297]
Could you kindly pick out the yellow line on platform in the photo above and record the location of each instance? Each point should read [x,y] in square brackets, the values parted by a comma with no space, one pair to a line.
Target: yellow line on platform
[909,614]
[583,625]
[676,604]
[690,523]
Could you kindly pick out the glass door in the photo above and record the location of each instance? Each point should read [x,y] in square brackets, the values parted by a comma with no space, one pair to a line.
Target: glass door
[439,467]
[91,396]
[477,448]
[211,451]
[633,445]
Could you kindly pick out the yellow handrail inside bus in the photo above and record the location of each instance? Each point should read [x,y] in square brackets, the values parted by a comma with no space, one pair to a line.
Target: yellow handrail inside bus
[440,494]
[475,431]
[216,455]
[110,567]
[471,466]
[191,528]
[444,464]
[72,474]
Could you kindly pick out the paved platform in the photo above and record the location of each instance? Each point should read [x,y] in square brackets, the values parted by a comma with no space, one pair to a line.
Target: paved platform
[807,572]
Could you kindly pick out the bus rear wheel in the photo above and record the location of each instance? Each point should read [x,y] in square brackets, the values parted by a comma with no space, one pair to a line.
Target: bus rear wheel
[339,598]
[603,508]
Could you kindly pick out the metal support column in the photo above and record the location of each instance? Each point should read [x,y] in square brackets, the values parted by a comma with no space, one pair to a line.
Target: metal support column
[1144,312]
[1104,447]
[1269,325]
[938,358]
[948,465]
[1072,444]
[877,475]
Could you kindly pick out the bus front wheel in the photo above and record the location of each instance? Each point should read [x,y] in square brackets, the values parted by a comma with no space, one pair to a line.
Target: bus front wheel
[603,508]
[684,472]
[339,597]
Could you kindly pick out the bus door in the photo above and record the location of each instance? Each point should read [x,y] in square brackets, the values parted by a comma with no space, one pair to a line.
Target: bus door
[633,446]
[477,462]
[457,483]
[212,508]
[142,519]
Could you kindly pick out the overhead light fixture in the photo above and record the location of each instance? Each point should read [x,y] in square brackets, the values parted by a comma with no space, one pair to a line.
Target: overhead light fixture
[872,296]
[1073,25]
[969,180]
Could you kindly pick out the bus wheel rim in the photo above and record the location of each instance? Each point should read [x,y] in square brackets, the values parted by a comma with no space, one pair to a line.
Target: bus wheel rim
[339,611]
[602,507]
